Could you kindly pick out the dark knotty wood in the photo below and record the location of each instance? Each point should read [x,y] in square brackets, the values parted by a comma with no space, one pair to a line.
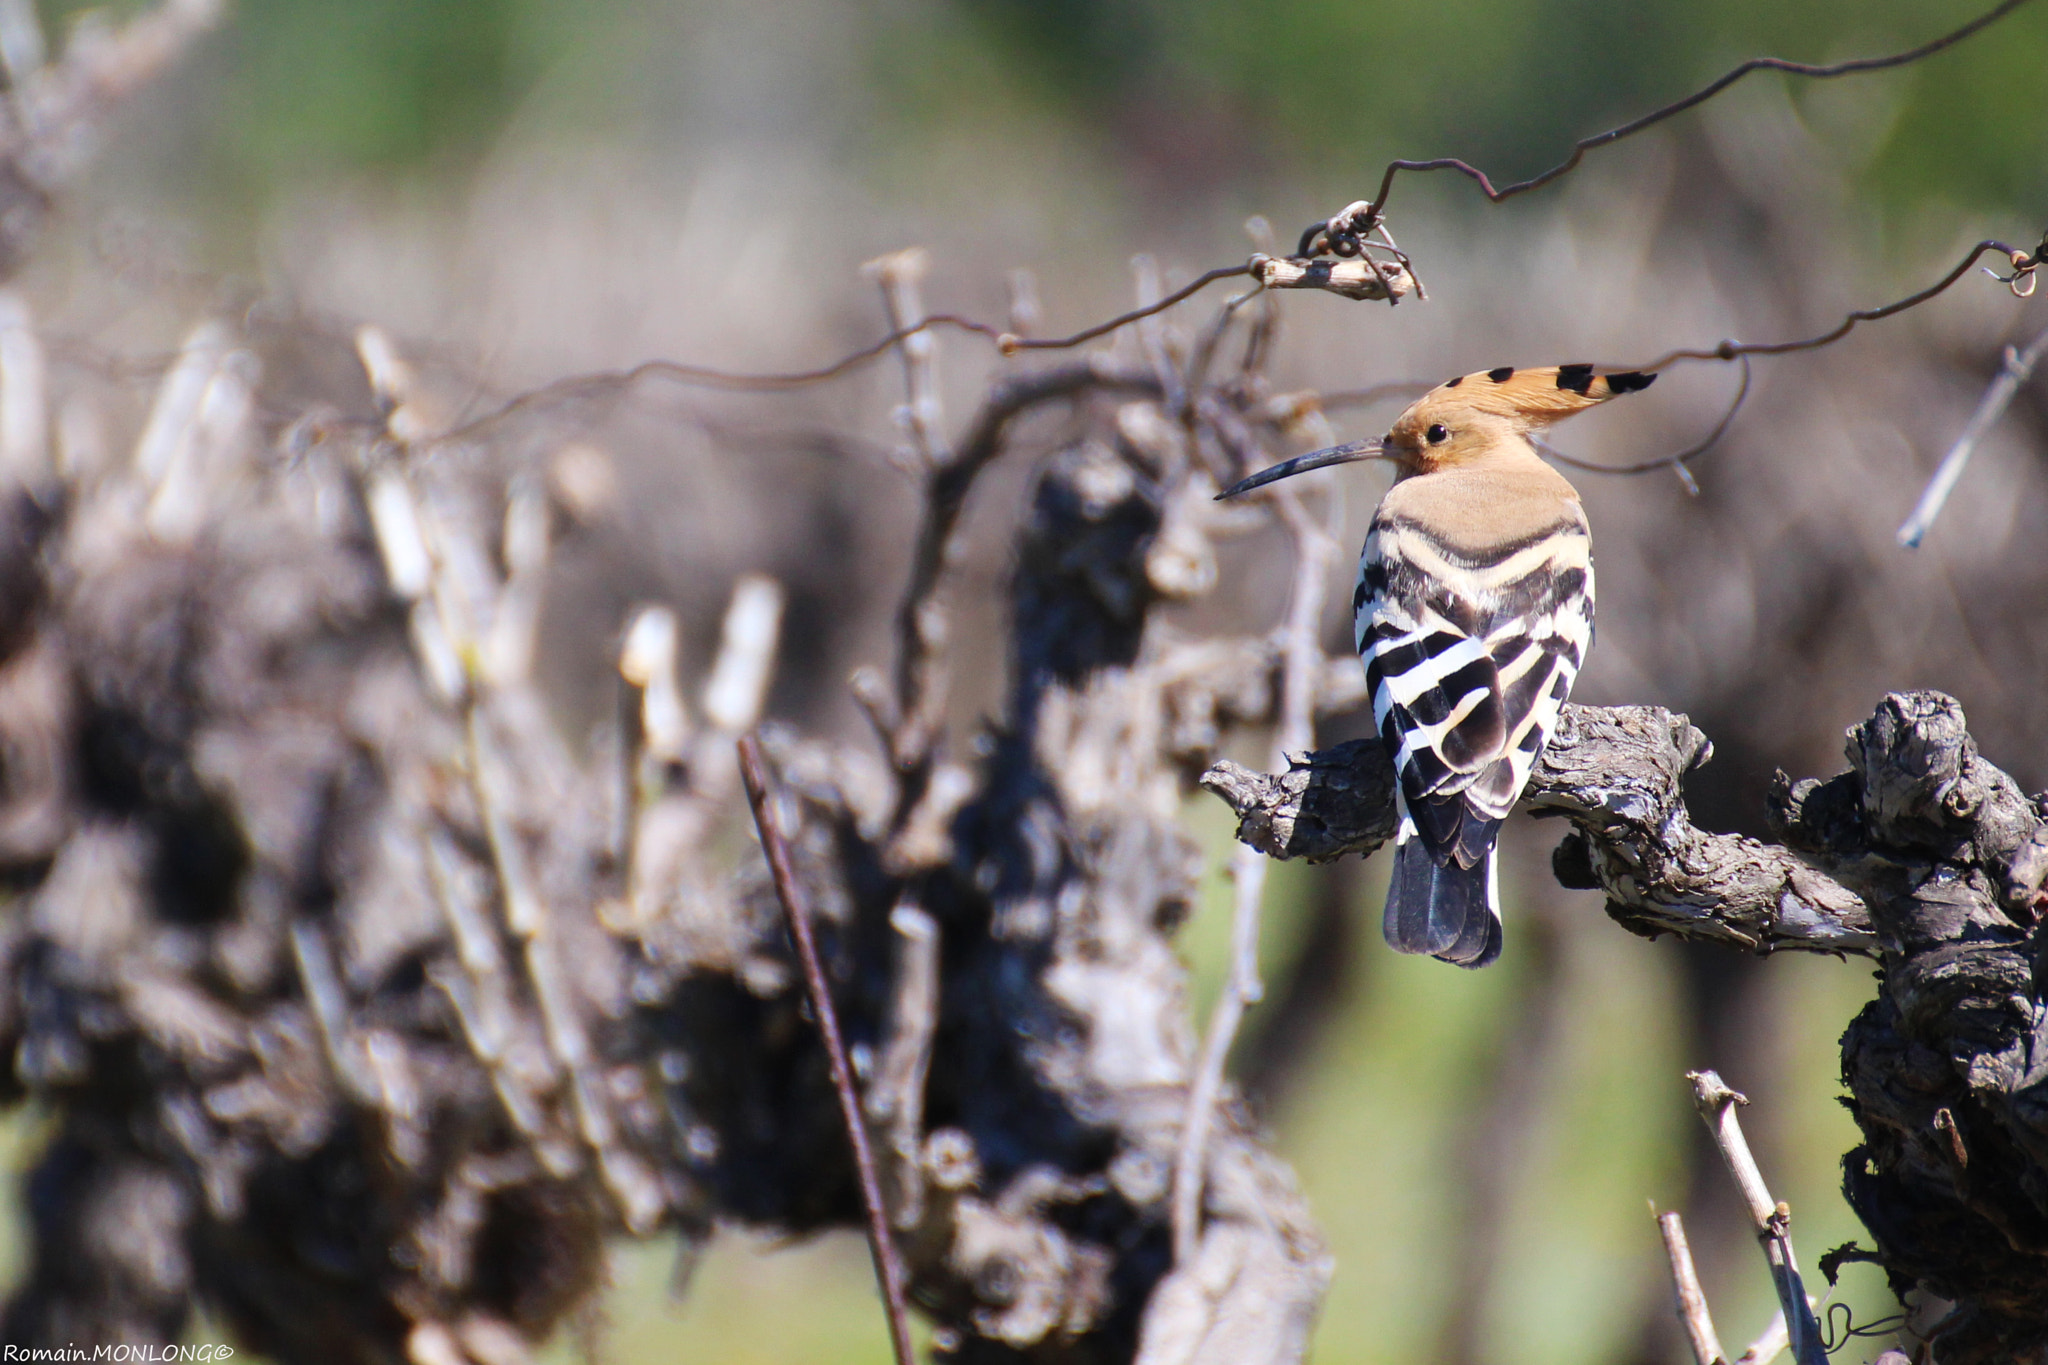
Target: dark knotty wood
[1613,773]
[1922,855]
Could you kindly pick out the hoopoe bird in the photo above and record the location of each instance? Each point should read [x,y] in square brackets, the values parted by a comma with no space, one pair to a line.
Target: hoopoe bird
[1474,610]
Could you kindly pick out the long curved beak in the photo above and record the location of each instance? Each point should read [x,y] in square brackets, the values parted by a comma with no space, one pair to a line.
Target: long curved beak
[1302,464]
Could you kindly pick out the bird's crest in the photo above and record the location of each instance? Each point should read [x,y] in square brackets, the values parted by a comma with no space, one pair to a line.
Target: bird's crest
[1538,396]
[1438,431]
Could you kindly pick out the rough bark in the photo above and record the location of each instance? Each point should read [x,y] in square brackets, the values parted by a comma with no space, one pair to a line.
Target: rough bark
[1614,774]
[1923,855]
[367,1008]
[1947,1068]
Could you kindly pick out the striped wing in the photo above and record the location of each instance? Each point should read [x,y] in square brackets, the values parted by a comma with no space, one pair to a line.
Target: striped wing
[1469,659]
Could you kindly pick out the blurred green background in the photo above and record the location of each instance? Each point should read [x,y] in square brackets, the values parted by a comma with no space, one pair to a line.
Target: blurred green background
[1306,98]
[1064,129]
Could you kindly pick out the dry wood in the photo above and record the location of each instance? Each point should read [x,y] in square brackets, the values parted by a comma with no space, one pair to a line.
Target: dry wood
[2013,369]
[881,1238]
[1923,855]
[1691,1299]
[1771,1219]
[1615,774]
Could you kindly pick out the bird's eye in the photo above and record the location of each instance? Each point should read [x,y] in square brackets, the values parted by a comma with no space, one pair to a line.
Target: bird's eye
[1437,434]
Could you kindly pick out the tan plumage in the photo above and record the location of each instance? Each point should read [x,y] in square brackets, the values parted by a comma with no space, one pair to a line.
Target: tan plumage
[1474,609]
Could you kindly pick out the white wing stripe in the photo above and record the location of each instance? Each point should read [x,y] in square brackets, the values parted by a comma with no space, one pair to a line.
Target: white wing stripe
[1534,657]
[1563,550]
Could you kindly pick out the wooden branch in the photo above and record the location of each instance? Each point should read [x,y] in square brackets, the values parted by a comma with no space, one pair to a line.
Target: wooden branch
[1615,774]
[881,1242]
[1691,1299]
[1771,1218]
[896,1096]
[1301,662]
[922,416]
[2013,369]
[920,619]
[1359,278]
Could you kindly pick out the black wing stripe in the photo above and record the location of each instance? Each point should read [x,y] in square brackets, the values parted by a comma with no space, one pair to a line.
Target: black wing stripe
[1467,663]
[1479,737]
[1399,660]
[1435,706]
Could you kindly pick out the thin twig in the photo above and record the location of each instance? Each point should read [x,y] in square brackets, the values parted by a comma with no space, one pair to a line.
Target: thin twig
[1240,992]
[2012,372]
[603,383]
[896,1097]
[606,382]
[888,1262]
[1010,344]
[1153,342]
[920,624]
[1377,208]
[1678,462]
[1717,1104]
[1691,1299]
[899,274]
[2024,264]
[1301,660]
[1212,335]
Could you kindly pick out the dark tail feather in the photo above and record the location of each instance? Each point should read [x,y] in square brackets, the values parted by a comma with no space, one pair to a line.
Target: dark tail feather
[1447,912]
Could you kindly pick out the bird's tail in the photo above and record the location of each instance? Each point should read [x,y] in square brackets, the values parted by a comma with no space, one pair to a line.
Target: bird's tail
[1448,911]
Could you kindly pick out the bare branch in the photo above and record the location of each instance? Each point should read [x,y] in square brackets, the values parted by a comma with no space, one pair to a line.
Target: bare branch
[900,274]
[881,1242]
[610,383]
[2024,265]
[896,1097]
[1717,1104]
[920,621]
[1692,1300]
[2013,370]
[1615,774]
[1012,344]
[1677,463]
[1301,661]
[1362,278]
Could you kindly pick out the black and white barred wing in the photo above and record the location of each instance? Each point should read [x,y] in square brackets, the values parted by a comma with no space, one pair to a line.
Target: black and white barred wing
[1469,658]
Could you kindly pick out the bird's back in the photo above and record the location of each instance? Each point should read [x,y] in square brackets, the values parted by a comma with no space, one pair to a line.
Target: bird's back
[1474,610]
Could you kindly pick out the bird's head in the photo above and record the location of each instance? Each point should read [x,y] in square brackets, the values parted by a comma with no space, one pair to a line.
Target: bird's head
[1469,419]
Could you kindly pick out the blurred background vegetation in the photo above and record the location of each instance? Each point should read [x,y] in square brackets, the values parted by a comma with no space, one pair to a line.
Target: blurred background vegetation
[550,186]
[1298,99]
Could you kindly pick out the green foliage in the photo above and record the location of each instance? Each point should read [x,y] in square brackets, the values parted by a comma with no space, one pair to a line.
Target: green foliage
[367,82]
[307,86]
